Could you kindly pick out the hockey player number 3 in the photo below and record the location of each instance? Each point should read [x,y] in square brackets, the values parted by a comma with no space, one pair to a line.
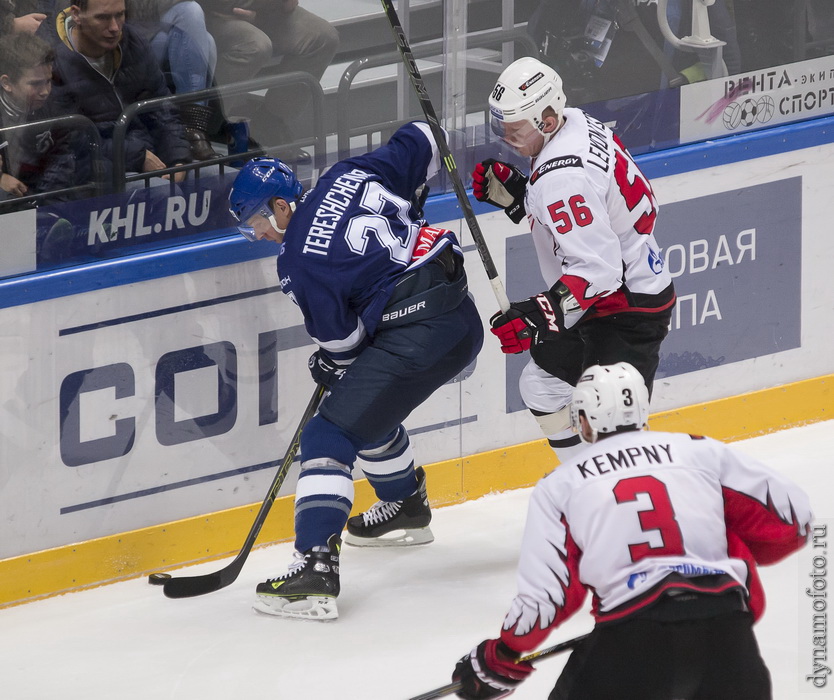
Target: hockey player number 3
[659,518]
[577,212]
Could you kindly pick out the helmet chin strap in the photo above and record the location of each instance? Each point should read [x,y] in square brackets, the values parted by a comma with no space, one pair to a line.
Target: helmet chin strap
[280,231]
[550,135]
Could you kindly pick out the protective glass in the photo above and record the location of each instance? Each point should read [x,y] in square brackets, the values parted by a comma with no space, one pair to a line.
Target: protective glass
[574,419]
[247,228]
[519,134]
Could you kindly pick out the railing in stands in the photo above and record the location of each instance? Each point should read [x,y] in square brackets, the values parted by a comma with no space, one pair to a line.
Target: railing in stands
[318,140]
[491,37]
[82,125]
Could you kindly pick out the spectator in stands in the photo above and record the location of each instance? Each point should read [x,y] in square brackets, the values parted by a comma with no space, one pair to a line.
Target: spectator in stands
[608,49]
[765,32]
[821,24]
[176,31]
[248,34]
[101,67]
[34,160]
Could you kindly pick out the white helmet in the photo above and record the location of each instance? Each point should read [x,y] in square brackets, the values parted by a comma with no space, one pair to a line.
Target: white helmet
[611,397]
[522,92]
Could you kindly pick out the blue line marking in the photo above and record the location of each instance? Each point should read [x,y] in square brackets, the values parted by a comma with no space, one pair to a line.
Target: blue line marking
[226,474]
[170,310]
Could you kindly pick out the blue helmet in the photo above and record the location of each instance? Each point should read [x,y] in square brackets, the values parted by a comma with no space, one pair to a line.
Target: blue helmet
[258,181]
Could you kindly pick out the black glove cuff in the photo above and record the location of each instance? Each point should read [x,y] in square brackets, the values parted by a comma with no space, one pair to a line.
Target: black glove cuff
[516,211]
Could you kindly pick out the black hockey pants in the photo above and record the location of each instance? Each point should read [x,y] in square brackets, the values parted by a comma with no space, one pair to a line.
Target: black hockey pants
[627,337]
[714,658]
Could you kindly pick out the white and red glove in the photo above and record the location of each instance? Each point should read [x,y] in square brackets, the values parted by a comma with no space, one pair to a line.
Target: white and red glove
[502,185]
[489,671]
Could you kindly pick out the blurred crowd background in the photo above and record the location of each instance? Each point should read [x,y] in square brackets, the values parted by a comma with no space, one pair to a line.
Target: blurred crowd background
[123,121]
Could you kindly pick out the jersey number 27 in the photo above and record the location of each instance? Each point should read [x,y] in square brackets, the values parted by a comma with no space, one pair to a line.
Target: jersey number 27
[398,239]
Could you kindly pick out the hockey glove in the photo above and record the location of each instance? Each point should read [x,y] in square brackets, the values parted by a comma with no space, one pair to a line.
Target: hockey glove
[418,200]
[528,321]
[490,671]
[324,370]
[501,185]
[525,322]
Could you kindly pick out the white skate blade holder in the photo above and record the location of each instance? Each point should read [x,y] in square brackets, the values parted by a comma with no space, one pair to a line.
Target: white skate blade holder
[395,538]
[311,608]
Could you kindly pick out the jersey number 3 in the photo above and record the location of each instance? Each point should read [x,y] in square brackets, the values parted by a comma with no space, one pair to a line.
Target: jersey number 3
[659,518]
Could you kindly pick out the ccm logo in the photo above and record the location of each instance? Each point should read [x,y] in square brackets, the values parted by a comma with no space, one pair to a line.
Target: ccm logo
[399,313]
[548,313]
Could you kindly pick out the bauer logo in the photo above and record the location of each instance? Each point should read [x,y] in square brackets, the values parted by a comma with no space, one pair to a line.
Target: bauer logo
[399,313]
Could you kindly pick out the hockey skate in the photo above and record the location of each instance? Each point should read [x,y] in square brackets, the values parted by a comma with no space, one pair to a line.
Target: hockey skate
[396,523]
[309,588]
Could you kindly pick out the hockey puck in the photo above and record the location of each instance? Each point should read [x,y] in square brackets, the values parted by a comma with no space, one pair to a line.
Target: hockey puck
[158,579]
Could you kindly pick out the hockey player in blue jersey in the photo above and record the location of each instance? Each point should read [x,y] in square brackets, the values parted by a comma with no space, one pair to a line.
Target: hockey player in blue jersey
[385,298]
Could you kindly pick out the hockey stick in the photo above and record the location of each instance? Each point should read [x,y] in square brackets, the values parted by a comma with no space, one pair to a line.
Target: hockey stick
[446,154]
[190,586]
[535,656]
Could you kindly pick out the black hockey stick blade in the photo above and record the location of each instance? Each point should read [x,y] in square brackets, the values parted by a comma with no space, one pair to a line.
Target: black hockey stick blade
[191,586]
[445,154]
[534,656]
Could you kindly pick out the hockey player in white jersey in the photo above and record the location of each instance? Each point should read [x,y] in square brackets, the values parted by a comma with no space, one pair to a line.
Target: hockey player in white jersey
[665,530]
[385,298]
[592,215]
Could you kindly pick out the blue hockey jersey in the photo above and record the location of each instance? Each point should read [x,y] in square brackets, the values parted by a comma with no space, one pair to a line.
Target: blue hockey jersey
[352,236]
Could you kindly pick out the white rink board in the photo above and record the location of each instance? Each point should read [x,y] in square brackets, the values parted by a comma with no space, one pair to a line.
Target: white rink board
[136,462]
[416,611]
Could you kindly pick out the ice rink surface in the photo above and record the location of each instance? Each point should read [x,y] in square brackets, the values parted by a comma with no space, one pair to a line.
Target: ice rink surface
[405,616]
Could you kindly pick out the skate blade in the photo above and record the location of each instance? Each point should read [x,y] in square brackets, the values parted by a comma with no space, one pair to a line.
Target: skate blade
[395,538]
[312,608]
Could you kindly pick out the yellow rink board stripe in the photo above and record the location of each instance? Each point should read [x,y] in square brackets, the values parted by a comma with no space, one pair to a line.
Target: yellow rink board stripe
[217,535]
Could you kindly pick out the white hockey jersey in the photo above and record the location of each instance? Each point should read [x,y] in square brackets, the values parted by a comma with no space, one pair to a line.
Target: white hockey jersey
[640,513]
[592,215]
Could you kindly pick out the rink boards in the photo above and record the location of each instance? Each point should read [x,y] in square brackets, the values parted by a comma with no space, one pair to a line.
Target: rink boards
[146,402]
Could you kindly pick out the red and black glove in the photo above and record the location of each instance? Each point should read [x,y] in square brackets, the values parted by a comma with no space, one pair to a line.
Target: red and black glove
[526,322]
[490,671]
[530,320]
[501,185]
